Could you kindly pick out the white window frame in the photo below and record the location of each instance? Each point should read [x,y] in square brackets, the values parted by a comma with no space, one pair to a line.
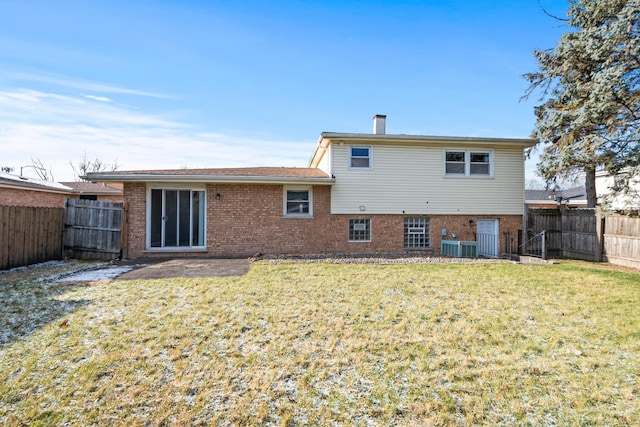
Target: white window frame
[467,162]
[174,187]
[286,189]
[370,157]
[349,230]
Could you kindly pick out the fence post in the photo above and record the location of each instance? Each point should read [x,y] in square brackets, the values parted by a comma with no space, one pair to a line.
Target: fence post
[600,230]
[124,231]
[63,232]
[543,234]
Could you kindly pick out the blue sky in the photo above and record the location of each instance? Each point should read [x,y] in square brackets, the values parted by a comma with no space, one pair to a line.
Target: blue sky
[171,84]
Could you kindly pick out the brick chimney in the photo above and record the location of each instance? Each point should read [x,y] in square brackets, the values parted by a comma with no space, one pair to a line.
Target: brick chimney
[379,124]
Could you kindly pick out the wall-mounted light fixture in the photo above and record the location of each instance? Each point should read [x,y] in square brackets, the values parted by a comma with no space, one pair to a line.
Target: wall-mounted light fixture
[470,222]
[363,208]
[218,196]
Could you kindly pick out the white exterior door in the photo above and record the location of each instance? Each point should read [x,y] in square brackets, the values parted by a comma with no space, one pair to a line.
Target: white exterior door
[487,237]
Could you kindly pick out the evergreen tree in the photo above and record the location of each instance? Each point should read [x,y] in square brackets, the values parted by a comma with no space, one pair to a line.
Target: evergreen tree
[590,84]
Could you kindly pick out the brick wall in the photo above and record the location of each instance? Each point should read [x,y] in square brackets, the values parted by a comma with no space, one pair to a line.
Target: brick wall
[248,219]
[136,196]
[15,197]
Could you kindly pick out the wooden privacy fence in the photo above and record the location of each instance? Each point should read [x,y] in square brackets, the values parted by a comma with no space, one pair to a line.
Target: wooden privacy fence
[568,233]
[30,235]
[536,243]
[621,243]
[93,229]
[586,234]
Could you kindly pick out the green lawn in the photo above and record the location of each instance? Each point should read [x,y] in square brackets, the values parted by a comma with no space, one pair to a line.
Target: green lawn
[324,344]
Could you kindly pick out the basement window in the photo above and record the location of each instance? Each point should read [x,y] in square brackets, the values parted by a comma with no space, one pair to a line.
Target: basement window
[359,230]
[417,233]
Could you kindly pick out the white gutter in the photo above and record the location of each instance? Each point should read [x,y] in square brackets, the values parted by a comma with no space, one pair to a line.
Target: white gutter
[35,187]
[222,179]
[527,142]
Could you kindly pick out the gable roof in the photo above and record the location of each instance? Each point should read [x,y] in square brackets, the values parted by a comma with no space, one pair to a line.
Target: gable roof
[32,184]
[255,175]
[327,138]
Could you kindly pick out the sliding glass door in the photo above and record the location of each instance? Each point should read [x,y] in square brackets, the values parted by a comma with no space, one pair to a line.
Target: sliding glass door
[176,218]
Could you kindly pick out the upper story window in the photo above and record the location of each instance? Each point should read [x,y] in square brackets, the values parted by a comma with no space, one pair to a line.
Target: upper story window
[297,202]
[455,163]
[360,157]
[468,163]
[480,163]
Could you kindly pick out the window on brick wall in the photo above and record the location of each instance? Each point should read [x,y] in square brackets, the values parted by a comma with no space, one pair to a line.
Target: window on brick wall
[417,233]
[359,230]
[298,202]
[176,218]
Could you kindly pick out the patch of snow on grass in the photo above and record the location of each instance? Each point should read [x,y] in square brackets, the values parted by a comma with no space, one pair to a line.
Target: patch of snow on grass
[27,267]
[107,273]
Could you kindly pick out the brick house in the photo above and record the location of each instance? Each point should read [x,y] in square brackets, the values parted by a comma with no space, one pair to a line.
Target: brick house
[361,193]
[86,190]
[22,191]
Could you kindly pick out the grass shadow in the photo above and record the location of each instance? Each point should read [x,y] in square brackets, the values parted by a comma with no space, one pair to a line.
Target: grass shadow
[29,305]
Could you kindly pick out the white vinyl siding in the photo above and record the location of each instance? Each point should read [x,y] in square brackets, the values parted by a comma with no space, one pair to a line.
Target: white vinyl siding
[409,180]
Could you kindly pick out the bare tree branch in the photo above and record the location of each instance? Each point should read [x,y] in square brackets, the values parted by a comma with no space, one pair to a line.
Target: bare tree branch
[85,166]
[40,169]
[551,15]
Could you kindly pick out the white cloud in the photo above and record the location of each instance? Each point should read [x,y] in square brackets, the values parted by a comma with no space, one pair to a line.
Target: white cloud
[58,129]
[98,98]
[84,85]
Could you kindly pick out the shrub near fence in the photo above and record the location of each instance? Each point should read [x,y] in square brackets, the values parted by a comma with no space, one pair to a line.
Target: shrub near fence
[29,235]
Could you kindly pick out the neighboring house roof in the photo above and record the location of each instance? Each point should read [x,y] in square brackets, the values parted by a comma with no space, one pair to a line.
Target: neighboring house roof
[574,196]
[327,138]
[539,195]
[575,193]
[256,175]
[32,184]
[97,188]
